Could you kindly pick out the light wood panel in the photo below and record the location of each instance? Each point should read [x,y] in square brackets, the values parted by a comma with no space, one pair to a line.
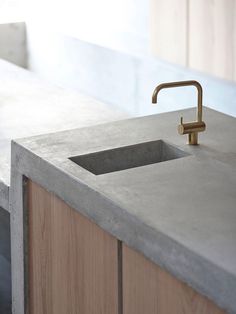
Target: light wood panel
[73,264]
[200,34]
[168,28]
[212,37]
[149,289]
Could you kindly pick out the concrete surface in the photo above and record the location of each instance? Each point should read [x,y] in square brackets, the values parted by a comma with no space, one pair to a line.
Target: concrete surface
[13,43]
[30,106]
[128,157]
[181,213]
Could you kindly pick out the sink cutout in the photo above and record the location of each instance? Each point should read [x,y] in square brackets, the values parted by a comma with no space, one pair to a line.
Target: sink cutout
[128,157]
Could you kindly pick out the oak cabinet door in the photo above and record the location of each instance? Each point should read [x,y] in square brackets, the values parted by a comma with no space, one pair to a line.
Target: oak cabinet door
[72,263]
[149,289]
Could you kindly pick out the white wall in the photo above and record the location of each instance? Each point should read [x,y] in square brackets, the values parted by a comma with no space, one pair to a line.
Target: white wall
[118,24]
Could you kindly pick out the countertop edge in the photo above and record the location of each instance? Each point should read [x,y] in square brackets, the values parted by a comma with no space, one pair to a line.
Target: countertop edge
[219,285]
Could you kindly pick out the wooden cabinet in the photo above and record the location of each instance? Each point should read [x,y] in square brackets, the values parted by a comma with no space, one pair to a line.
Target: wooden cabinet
[168,24]
[200,34]
[212,38]
[72,262]
[75,267]
[149,289]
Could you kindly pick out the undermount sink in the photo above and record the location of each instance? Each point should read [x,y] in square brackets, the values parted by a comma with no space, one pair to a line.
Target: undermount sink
[128,157]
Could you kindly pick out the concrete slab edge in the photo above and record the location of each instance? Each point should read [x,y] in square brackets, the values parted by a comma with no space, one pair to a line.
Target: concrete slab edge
[206,278]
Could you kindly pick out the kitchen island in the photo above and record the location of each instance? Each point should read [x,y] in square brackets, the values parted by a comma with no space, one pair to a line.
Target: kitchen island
[31,106]
[93,236]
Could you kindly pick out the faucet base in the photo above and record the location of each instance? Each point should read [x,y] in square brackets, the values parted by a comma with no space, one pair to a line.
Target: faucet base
[193,138]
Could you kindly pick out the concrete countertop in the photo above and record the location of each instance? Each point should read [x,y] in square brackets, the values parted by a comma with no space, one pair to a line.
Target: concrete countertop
[31,106]
[181,214]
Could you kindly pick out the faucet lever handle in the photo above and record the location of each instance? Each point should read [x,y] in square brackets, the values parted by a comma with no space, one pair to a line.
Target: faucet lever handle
[181,120]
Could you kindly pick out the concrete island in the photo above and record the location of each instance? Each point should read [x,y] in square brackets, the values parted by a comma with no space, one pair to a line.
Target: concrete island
[177,209]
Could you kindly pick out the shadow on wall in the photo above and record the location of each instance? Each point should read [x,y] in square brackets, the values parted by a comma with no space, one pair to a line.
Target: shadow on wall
[5,263]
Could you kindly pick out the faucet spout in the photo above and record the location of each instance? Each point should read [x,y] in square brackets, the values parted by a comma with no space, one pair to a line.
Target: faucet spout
[186,128]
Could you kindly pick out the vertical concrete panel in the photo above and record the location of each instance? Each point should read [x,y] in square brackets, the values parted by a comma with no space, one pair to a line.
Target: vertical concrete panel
[13,43]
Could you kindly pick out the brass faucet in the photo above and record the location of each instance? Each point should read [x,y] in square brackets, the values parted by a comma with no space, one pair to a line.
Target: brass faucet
[190,128]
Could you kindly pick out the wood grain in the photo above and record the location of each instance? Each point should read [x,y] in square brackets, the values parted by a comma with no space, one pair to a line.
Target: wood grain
[212,36]
[72,262]
[168,30]
[149,289]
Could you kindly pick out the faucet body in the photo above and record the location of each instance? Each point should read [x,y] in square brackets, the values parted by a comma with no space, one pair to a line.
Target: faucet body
[191,128]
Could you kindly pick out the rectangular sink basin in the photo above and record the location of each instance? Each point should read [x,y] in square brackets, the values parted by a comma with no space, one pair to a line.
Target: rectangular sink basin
[127,157]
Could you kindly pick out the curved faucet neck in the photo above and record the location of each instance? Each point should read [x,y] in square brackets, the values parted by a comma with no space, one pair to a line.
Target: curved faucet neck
[181,84]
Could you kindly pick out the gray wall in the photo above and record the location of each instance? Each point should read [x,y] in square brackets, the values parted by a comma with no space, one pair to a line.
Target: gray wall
[5,263]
